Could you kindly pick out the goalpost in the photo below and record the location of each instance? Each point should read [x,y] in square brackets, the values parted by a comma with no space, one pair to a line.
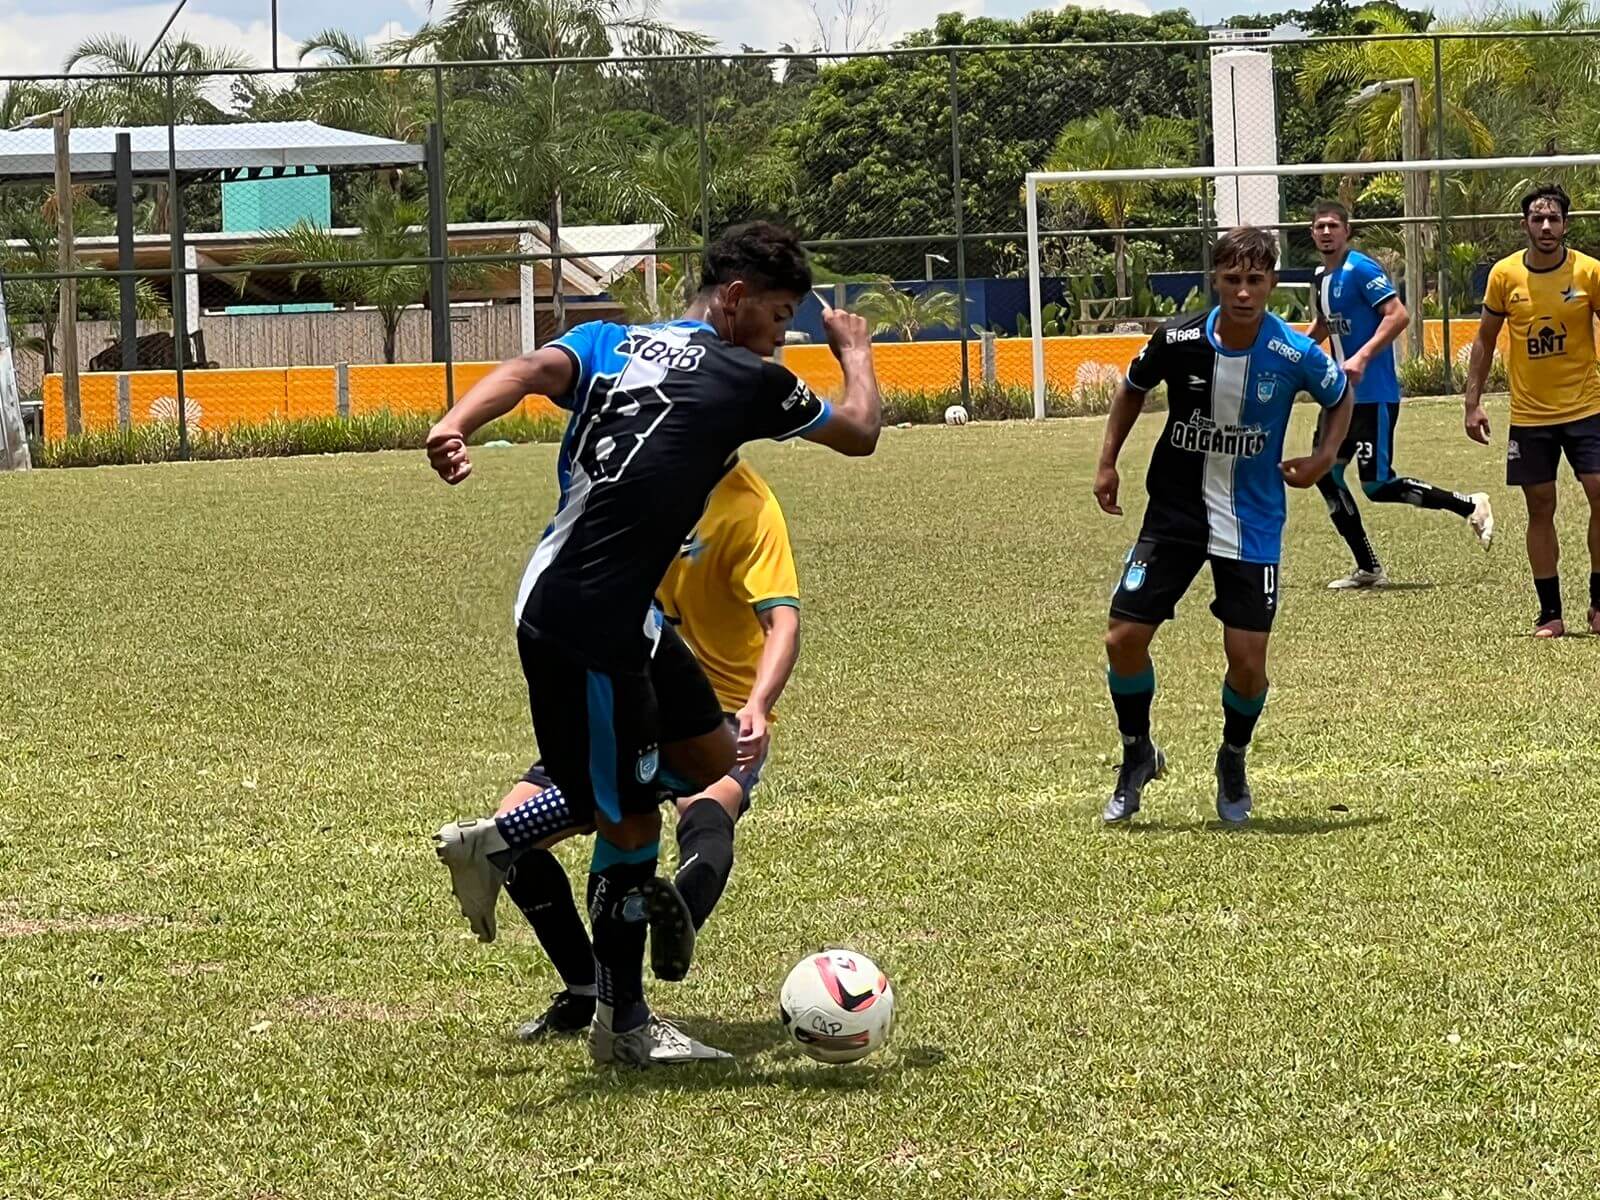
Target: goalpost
[1037,179]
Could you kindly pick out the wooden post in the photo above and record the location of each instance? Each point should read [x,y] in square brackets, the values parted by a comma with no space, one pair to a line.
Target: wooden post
[67,314]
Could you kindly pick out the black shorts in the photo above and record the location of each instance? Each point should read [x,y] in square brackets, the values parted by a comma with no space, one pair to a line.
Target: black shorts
[1533,452]
[600,731]
[1156,575]
[1370,442]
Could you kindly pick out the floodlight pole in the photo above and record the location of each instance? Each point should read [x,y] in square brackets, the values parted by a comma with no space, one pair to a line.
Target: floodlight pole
[927,265]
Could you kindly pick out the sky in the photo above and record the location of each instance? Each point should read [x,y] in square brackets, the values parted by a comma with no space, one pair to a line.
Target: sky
[36,35]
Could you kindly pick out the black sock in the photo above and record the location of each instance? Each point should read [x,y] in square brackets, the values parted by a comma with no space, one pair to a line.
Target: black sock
[539,887]
[1131,696]
[618,920]
[705,856]
[1594,589]
[1239,715]
[1347,520]
[1549,598]
[1402,490]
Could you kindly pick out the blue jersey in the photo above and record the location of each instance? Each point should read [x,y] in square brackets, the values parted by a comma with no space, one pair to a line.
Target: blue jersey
[658,414]
[1349,298]
[1214,480]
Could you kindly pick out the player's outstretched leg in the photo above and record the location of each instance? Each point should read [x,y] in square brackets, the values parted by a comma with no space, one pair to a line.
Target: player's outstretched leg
[538,885]
[1402,489]
[479,850]
[622,872]
[1346,517]
[1544,556]
[1131,677]
[1244,695]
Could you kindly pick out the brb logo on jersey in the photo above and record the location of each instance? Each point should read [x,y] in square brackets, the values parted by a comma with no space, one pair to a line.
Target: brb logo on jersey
[1548,340]
[1338,324]
[1201,435]
[1279,346]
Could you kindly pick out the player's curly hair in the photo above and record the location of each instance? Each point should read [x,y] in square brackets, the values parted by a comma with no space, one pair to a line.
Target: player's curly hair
[766,256]
[1548,191]
[1246,246]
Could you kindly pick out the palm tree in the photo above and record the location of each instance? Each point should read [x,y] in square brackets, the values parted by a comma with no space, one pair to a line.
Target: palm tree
[143,99]
[532,150]
[387,103]
[1475,73]
[889,310]
[666,173]
[1104,141]
[534,130]
[391,227]
[28,248]
[552,29]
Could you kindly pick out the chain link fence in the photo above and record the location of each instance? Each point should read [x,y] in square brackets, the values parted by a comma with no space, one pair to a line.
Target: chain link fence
[346,236]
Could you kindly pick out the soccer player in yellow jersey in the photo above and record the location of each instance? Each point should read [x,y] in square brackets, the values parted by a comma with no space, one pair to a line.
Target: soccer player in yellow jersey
[734,596]
[1548,295]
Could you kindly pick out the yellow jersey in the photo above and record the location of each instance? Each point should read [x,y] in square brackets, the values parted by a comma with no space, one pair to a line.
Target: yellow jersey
[1549,320]
[735,564]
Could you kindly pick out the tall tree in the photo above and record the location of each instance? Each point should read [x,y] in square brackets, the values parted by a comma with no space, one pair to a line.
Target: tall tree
[1104,141]
[872,143]
[535,134]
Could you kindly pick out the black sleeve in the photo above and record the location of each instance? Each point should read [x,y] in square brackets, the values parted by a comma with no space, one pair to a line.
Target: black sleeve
[1149,366]
[784,406]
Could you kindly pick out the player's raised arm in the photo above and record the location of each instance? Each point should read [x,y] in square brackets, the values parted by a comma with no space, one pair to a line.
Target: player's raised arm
[545,372]
[853,424]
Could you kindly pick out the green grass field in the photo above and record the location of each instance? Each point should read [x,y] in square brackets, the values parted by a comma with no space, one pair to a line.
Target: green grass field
[239,696]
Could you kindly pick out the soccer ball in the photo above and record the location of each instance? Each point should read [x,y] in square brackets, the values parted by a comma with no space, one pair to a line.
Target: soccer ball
[955,415]
[837,1005]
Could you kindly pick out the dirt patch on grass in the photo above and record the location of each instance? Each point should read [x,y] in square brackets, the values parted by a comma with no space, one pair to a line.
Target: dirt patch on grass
[14,925]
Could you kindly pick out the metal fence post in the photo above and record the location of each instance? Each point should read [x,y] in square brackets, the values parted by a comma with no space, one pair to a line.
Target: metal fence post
[1442,253]
[444,220]
[180,287]
[1207,159]
[438,248]
[127,285]
[705,163]
[961,241]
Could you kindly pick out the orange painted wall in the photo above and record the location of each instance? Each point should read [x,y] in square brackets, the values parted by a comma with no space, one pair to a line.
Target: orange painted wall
[220,399]
[226,398]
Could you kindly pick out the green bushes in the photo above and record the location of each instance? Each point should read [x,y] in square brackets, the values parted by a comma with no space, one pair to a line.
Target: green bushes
[275,439]
[1424,376]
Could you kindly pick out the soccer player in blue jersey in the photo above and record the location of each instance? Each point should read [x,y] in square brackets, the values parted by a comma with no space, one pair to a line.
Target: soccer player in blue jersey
[1359,314]
[658,413]
[1216,485]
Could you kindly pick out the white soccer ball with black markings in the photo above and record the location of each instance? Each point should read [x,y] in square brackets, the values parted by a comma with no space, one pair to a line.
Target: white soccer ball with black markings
[956,414]
[837,1006]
